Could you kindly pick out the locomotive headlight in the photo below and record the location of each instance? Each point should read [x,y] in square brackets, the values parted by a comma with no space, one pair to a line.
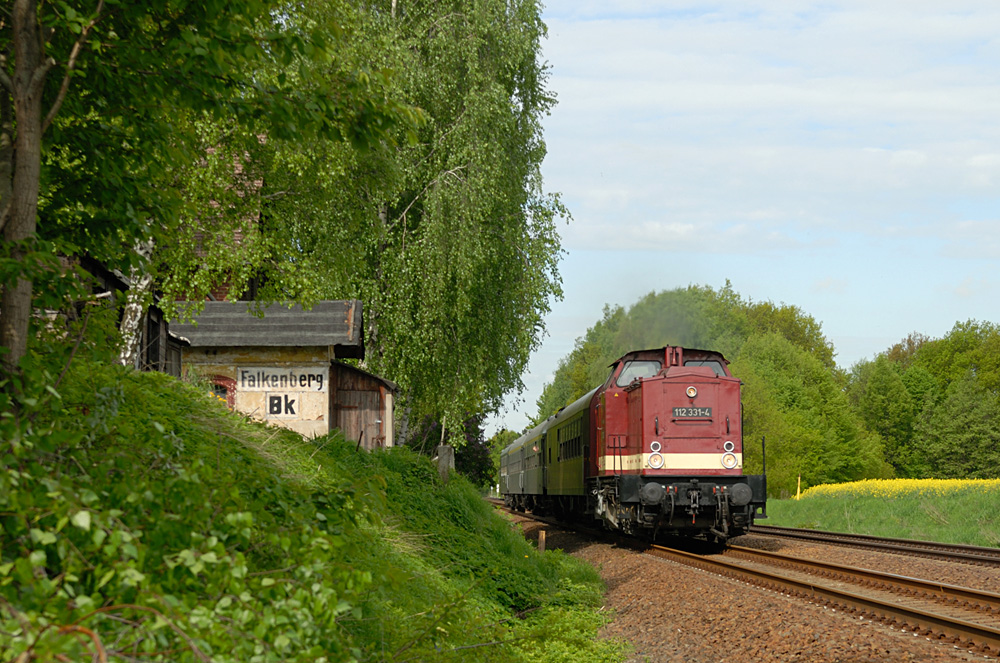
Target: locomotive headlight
[729,460]
[654,446]
[692,392]
[655,461]
[729,446]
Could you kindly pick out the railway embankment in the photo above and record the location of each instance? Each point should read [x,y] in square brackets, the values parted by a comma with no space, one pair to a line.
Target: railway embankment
[958,511]
[141,520]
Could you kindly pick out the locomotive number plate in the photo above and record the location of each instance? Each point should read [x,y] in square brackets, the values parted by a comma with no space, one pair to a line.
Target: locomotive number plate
[692,412]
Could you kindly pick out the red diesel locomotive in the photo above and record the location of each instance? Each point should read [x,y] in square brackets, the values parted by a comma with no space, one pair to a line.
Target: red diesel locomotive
[658,448]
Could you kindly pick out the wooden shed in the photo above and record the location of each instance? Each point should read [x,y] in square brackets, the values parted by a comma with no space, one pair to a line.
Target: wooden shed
[282,367]
[362,405]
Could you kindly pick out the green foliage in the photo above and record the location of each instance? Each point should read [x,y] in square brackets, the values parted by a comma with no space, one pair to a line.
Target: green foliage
[451,237]
[326,150]
[886,406]
[934,403]
[459,573]
[960,435]
[150,110]
[793,400]
[142,516]
[968,346]
[693,317]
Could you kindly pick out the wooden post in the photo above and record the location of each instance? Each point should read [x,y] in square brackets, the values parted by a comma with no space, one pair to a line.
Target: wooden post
[541,541]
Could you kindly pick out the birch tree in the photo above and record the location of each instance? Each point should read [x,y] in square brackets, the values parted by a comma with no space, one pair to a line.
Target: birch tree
[461,264]
[447,233]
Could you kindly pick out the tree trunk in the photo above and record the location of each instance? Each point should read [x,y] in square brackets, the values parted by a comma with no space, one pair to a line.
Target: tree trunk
[140,285]
[404,425]
[29,75]
[6,154]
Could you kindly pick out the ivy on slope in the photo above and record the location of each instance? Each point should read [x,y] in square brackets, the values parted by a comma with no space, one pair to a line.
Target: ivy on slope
[141,522]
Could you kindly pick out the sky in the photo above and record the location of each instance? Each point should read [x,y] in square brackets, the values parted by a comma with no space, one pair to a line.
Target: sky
[840,156]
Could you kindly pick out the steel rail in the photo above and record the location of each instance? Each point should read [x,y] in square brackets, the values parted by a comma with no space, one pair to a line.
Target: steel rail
[973,636]
[946,551]
[987,602]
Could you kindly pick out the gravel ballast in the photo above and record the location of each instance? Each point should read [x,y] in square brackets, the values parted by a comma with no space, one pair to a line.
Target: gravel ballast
[670,612]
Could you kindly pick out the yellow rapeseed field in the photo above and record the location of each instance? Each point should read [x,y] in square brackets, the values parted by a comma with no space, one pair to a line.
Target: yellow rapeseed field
[894,488]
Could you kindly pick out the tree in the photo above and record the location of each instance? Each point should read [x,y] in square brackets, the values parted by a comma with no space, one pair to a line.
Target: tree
[970,345]
[450,241]
[100,100]
[794,325]
[887,408]
[693,317]
[903,352]
[960,436]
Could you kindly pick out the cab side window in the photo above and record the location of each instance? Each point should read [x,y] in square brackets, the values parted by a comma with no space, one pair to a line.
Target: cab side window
[637,369]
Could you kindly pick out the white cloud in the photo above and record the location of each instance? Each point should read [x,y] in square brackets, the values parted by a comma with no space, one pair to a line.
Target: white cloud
[852,116]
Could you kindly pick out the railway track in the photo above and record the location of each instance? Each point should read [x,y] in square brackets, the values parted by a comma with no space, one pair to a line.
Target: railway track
[928,549]
[961,616]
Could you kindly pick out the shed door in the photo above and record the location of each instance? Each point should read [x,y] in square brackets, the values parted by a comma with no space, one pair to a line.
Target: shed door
[358,417]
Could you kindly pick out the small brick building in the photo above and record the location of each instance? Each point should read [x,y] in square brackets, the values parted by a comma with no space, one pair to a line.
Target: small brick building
[283,367]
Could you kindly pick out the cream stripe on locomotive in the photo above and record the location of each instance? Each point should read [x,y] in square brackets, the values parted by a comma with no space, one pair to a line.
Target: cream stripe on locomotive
[726,460]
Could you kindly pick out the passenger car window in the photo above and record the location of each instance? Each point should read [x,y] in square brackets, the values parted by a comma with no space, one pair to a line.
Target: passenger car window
[637,369]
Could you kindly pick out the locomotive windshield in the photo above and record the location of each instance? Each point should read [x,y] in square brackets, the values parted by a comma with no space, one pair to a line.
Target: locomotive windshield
[637,369]
[716,366]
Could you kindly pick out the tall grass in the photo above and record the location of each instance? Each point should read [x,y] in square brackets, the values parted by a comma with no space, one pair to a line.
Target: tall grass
[949,511]
[138,508]
[464,585]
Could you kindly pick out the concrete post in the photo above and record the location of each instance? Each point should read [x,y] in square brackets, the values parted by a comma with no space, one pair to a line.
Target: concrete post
[445,460]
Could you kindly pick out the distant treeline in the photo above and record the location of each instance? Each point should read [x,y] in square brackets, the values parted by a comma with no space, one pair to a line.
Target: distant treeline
[923,408]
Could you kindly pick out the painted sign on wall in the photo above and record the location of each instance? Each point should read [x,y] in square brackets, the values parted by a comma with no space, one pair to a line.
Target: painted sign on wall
[269,378]
[292,393]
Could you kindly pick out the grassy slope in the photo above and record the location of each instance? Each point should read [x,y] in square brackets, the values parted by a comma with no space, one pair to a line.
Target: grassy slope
[142,518]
